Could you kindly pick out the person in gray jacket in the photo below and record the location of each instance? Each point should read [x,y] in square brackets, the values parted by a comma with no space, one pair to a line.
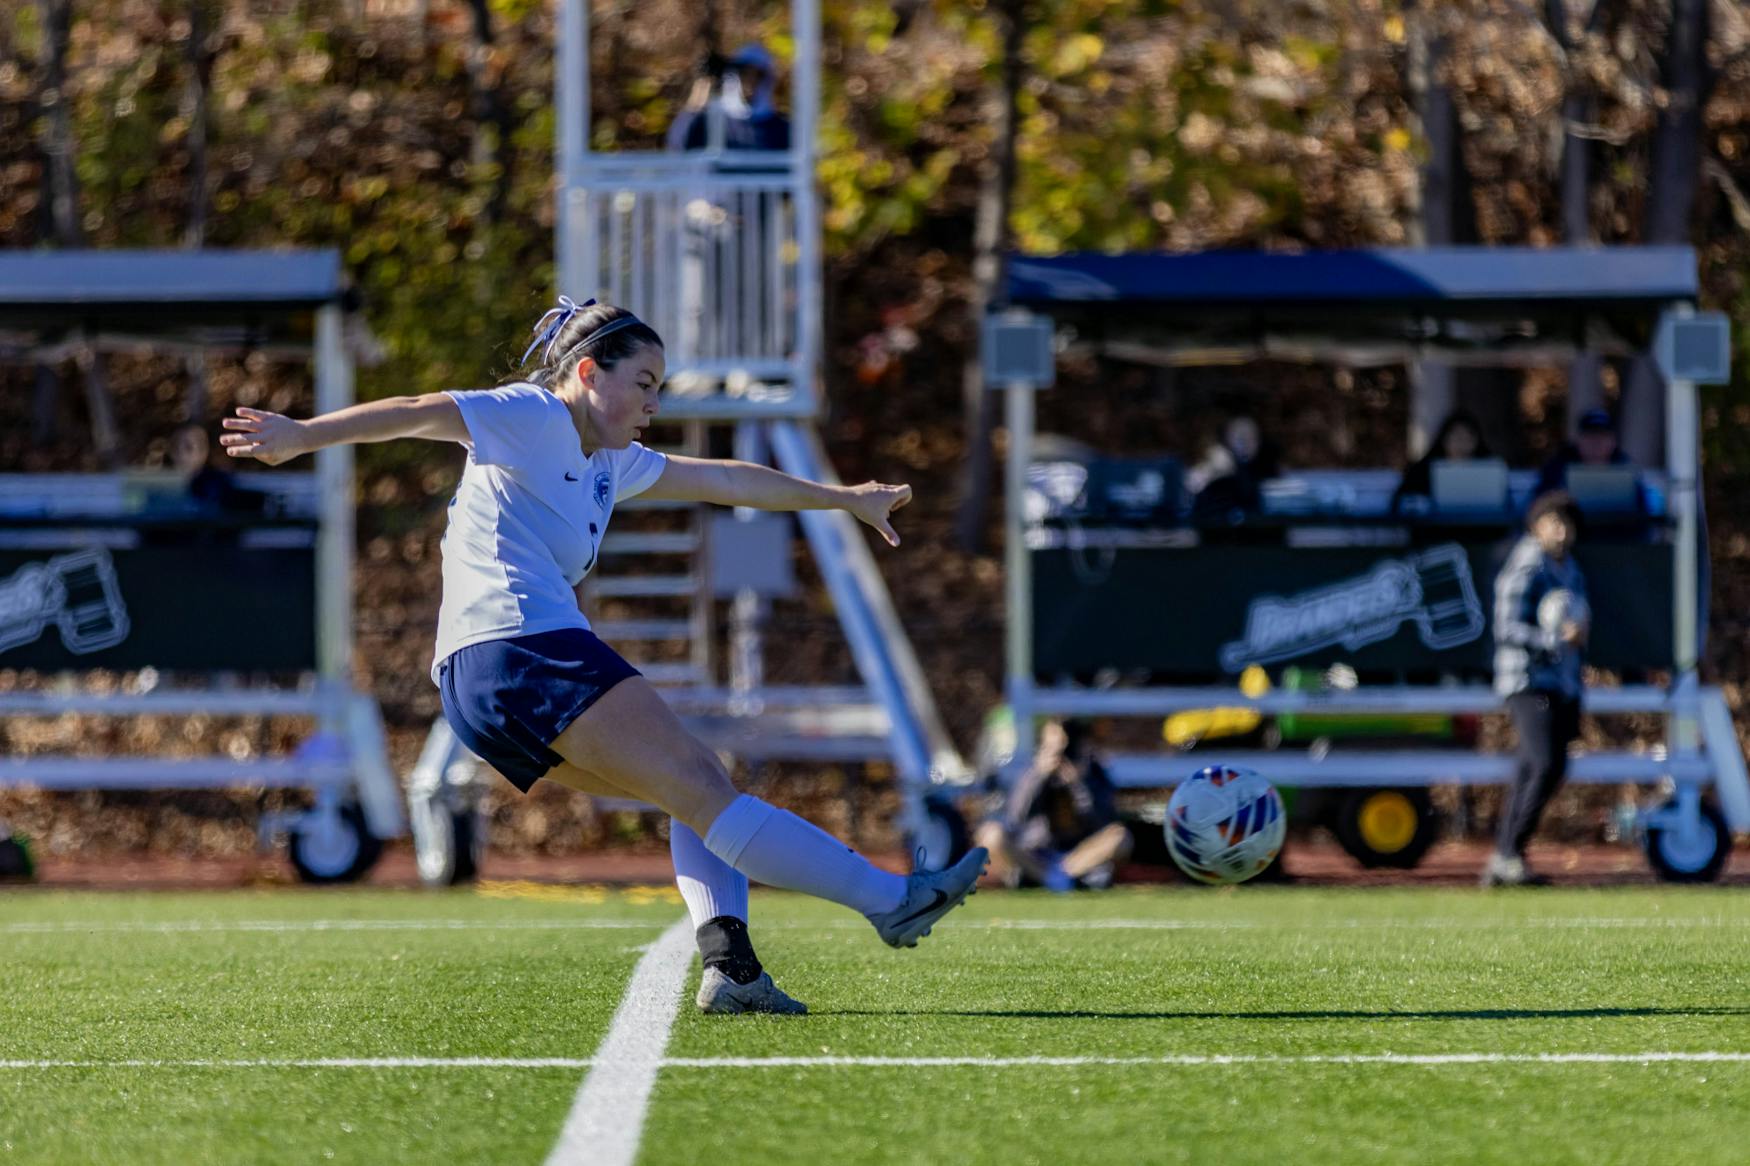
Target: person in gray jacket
[1541,625]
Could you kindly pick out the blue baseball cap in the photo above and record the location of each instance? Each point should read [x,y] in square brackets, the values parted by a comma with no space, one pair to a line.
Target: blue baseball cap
[753,57]
[1596,421]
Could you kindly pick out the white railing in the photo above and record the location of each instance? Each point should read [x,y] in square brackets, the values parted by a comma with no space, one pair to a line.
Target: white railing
[719,249]
[1715,759]
[710,255]
[119,495]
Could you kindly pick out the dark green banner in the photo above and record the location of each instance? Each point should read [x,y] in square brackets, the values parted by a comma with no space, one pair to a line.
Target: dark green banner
[1205,612]
[199,606]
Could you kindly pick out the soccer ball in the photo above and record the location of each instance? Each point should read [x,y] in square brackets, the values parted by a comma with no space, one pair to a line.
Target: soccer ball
[1561,605]
[1225,824]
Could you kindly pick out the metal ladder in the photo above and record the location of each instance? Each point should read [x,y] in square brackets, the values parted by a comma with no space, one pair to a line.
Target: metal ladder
[650,595]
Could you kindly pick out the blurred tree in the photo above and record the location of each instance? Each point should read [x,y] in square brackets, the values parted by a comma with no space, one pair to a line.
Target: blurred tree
[1578,37]
[493,124]
[59,200]
[1448,217]
[990,246]
[1672,180]
[60,204]
[200,49]
[63,210]
[199,52]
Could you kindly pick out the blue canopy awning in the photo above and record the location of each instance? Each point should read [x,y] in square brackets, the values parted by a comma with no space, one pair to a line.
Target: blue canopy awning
[1436,275]
[1481,301]
[167,293]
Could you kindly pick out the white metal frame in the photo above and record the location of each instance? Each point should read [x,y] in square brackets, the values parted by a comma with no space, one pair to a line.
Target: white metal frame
[622,219]
[1701,745]
[348,756]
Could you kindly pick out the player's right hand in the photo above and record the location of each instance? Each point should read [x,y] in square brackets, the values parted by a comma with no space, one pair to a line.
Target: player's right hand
[267,437]
[874,503]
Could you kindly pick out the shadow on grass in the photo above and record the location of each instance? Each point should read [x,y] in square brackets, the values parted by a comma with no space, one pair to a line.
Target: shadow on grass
[1331,1014]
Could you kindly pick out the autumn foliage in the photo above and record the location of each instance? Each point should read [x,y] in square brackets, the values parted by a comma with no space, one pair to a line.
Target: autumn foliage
[417,137]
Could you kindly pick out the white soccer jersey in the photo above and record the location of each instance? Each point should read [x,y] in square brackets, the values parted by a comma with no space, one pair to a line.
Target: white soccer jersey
[527,520]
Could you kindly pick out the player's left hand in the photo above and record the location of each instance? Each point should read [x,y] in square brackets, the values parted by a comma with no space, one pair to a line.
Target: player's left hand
[873,502]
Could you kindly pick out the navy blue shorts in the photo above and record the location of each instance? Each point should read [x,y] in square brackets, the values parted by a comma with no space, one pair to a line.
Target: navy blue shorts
[506,699]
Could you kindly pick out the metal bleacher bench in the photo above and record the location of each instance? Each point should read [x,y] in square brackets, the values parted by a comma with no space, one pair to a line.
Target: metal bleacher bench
[1718,762]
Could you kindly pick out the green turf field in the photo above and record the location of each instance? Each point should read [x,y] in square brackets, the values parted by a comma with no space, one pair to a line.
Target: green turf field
[279,1027]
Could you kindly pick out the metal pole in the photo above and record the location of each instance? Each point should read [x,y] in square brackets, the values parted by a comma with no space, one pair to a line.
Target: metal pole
[747,617]
[804,120]
[573,125]
[335,492]
[1682,459]
[1018,585]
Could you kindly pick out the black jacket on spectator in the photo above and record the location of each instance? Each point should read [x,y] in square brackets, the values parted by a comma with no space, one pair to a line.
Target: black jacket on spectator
[1073,800]
[1554,475]
[768,132]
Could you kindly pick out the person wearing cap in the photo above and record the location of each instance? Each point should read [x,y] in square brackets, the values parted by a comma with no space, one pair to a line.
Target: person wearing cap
[731,109]
[1595,444]
[743,102]
[1542,623]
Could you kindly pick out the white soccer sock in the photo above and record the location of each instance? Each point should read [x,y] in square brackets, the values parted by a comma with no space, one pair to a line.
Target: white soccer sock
[710,886]
[780,849]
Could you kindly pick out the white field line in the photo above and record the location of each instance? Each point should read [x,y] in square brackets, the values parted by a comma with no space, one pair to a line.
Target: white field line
[73,928]
[1426,924]
[317,925]
[607,1116]
[1194,1059]
[618,1066]
[321,1063]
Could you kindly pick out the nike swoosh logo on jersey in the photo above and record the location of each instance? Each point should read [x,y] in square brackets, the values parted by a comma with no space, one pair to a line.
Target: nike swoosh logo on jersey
[568,476]
[941,897]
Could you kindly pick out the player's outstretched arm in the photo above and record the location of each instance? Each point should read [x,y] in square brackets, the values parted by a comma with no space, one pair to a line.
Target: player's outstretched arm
[273,438]
[733,483]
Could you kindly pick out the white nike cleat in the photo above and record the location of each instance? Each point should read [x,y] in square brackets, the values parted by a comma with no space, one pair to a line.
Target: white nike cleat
[721,996]
[929,895]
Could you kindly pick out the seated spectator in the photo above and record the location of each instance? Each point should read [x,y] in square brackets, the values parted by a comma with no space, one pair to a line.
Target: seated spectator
[1459,439]
[1595,444]
[1059,828]
[743,99]
[1228,479]
[209,487]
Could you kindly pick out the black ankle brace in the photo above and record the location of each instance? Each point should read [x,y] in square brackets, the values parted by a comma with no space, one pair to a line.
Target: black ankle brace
[724,945]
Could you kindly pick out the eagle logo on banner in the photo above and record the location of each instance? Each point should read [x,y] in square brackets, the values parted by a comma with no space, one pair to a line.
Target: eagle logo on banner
[76,593]
[1432,590]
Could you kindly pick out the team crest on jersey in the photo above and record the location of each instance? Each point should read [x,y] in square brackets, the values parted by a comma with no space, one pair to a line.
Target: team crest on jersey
[604,484]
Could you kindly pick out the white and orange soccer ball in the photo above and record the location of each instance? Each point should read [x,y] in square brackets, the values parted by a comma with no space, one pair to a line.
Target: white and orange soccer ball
[1225,824]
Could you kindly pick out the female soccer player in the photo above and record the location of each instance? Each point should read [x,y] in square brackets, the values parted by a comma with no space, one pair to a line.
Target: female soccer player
[534,693]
